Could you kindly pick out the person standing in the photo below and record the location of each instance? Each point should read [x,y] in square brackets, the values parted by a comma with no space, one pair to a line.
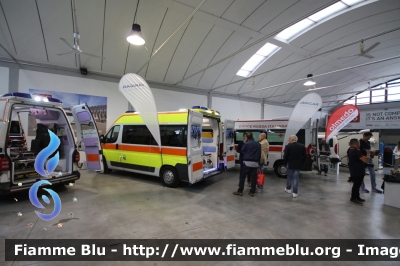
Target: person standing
[324,149]
[251,162]
[357,161]
[365,147]
[294,158]
[396,153]
[264,152]
[240,150]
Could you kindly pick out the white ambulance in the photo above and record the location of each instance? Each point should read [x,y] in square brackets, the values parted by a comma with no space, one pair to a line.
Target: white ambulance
[275,130]
[24,123]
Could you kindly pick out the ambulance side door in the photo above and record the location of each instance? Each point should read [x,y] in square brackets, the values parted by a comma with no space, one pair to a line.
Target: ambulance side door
[229,143]
[194,146]
[88,136]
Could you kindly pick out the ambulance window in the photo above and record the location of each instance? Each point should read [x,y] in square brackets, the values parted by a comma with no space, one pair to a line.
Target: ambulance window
[195,136]
[229,134]
[173,135]
[112,135]
[276,136]
[137,135]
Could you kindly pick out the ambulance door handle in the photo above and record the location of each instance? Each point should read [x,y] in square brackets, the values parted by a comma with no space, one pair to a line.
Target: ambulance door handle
[123,156]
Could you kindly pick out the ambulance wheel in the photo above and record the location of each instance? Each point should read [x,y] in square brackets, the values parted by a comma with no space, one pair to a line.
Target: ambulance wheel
[280,170]
[105,167]
[170,177]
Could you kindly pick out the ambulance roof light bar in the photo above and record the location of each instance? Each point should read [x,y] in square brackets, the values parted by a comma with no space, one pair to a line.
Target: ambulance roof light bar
[18,94]
[37,98]
[200,107]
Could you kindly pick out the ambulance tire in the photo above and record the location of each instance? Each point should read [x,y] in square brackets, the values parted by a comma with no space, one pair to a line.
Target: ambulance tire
[106,170]
[169,177]
[280,169]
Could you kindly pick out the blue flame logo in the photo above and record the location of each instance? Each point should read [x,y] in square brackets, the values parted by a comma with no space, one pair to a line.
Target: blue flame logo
[45,153]
[39,168]
[35,201]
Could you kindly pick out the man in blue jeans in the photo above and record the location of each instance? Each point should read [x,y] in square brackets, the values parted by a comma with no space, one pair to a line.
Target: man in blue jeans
[294,157]
[365,146]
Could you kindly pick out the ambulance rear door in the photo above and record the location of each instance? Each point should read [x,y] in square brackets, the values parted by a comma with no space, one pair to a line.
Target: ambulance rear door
[194,147]
[88,136]
[315,145]
[229,143]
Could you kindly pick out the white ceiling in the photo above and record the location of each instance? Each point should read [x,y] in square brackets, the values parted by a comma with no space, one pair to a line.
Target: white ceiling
[30,31]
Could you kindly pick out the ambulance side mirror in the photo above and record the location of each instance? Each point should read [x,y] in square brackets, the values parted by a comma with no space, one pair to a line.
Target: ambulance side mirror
[102,139]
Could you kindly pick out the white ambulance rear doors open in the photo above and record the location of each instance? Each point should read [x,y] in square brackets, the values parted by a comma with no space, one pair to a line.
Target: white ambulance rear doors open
[194,147]
[88,136]
[229,143]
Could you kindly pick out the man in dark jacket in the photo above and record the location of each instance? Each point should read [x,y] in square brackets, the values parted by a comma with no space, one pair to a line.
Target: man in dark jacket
[294,157]
[239,150]
[324,149]
[251,161]
[357,162]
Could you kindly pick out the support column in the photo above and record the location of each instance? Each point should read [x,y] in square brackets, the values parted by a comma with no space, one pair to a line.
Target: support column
[262,109]
[13,78]
[209,100]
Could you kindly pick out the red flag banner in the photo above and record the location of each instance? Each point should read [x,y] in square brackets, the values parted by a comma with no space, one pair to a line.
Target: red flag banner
[339,118]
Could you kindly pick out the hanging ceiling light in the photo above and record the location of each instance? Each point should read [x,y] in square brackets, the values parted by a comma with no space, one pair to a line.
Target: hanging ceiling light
[136,37]
[309,81]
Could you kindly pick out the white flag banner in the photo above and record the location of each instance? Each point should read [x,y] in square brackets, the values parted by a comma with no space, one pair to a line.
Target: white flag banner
[302,112]
[139,94]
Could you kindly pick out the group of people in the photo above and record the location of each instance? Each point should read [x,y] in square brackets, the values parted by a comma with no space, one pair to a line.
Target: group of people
[253,155]
[360,157]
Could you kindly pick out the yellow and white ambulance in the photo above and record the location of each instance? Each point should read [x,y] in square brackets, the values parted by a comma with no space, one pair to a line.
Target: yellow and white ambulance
[190,151]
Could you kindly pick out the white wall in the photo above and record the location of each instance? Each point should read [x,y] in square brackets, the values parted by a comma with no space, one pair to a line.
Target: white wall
[174,100]
[3,80]
[235,109]
[275,111]
[116,102]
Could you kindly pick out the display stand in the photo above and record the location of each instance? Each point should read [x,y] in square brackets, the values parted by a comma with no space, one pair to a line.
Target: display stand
[392,194]
[334,168]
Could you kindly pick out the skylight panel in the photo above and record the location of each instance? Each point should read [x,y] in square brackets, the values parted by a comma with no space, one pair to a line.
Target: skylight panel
[329,12]
[267,49]
[326,12]
[243,73]
[352,2]
[295,29]
[257,59]
[253,62]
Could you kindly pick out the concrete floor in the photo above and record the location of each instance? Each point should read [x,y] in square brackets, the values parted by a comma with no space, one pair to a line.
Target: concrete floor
[124,205]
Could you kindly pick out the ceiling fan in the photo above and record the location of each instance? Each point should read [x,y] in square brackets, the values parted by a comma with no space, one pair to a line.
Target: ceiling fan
[364,53]
[75,48]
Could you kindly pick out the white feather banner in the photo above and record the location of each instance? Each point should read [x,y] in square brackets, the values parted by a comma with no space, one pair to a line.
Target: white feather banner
[139,94]
[302,112]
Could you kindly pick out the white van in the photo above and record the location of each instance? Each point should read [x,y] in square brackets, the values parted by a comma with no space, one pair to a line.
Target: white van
[275,130]
[22,116]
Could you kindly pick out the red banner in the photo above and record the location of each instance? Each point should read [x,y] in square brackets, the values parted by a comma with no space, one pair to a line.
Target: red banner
[339,118]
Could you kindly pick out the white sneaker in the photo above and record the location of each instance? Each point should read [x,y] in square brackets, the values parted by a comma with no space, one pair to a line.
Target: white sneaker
[295,195]
[288,191]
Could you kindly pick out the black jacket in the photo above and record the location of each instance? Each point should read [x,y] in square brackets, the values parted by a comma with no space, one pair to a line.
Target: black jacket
[251,151]
[239,150]
[327,149]
[295,155]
